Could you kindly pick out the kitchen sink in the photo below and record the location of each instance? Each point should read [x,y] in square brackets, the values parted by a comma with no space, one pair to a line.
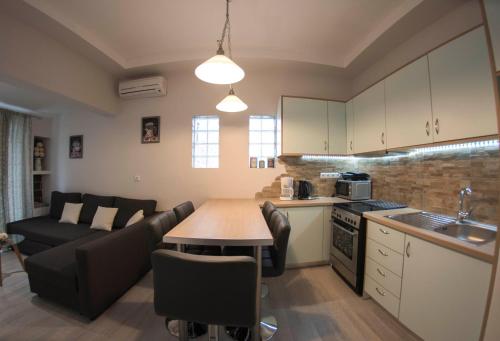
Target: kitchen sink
[468,231]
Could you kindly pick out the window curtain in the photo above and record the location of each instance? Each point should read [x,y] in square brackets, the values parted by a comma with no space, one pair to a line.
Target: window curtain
[16,159]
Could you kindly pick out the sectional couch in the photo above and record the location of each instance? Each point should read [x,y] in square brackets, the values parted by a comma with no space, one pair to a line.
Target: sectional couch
[87,269]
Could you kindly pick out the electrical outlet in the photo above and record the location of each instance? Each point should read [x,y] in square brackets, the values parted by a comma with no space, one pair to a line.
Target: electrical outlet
[137,178]
[330,175]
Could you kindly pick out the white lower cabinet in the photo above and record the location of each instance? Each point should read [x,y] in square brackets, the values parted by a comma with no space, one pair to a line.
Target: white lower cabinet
[443,295]
[306,243]
[384,265]
[437,293]
[382,296]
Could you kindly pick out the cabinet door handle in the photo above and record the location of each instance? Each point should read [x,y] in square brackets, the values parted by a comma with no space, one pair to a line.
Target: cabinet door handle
[381,272]
[286,214]
[382,138]
[350,145]
[384,231]
[436,125]
[326,145]
[408,250]
[383,253]
[428,128]
[380,292]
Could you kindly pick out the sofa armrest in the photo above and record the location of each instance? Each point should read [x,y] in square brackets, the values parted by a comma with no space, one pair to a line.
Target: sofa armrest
[109,266]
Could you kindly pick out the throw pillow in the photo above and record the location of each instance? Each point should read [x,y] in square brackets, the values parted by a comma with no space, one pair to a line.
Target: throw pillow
[90,204]
[103,218]
[128,207]
[71,213]
[138,216]
[58,200]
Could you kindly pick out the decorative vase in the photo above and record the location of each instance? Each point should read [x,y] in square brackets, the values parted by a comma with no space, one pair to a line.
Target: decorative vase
[38,164]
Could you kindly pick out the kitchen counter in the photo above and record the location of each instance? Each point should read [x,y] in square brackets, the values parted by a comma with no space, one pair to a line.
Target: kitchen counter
[320,201]
[483,252]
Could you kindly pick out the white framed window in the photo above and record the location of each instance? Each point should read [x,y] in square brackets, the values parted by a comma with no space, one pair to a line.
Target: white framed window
[205,141]
[262,138]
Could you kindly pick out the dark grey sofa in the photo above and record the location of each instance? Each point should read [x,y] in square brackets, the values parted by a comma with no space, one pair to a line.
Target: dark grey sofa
[83,268]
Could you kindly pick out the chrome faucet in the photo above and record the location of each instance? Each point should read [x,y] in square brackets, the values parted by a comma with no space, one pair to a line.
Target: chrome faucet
[462,214]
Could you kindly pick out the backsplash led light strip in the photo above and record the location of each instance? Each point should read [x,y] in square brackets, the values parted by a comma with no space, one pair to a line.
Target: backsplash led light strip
[468,145]
[414,152]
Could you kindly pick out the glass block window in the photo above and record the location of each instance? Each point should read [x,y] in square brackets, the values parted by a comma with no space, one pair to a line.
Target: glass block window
[262,131]
[205,144]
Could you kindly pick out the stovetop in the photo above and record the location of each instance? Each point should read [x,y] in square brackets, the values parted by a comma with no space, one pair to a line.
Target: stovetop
[359,207]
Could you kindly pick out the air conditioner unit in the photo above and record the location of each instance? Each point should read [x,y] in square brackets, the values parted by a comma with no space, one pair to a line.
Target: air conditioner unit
[144,87]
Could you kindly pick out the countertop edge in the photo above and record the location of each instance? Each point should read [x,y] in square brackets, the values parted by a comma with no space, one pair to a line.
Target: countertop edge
[430,236]
[320,201]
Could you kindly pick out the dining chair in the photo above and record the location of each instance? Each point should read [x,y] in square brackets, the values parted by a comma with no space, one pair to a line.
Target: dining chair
[273,265]
[184,210]
[212,290]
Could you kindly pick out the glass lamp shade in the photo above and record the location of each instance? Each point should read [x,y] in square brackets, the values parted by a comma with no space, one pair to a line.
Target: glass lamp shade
[219,70]
[231,103]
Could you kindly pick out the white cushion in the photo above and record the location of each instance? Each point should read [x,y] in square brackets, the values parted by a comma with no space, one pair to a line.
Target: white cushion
[138,216]
[103,218]
[71,213]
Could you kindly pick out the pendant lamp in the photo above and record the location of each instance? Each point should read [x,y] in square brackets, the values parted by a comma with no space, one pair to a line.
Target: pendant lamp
[231,103]
[221,69]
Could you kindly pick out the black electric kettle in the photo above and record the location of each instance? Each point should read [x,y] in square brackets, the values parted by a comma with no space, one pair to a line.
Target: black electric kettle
[305,190]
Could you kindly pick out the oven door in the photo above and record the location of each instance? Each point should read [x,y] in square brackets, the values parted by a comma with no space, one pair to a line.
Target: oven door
[344,245]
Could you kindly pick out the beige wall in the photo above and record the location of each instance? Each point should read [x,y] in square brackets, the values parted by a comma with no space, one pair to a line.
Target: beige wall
[34,59]
[113,153]
[447,27]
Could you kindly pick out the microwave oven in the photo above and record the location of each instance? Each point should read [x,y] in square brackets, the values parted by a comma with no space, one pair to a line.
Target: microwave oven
[354,190]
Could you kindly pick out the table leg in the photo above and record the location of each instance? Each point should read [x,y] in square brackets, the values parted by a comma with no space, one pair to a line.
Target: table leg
[258,258]
[18,254]
[183,325]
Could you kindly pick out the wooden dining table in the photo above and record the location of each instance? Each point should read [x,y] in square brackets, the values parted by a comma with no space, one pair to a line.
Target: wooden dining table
[226,222]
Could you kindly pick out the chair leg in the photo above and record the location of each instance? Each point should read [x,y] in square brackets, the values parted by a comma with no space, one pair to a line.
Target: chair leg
[268,327]
[239,333]
[192,331]
[213,333]
[264,290]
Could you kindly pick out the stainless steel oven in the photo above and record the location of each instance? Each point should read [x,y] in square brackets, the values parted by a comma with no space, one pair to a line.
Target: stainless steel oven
[347,247]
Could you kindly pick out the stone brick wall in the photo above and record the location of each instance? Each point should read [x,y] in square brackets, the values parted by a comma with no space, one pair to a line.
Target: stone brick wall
[429,181]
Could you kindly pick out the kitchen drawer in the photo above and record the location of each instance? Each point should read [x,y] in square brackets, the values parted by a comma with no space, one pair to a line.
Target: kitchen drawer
[382,296]
[386,236]
[385,256]
[384,276]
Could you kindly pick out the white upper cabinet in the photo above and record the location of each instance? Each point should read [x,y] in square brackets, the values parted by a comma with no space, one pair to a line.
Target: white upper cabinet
[443,294]
[493,16]
[462,94]
[336,128]
[349,113]
[369,120]
[408,106]
[305,126]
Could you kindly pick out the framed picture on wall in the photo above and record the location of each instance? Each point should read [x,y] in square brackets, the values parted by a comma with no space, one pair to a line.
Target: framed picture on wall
[76,147]
[150,129]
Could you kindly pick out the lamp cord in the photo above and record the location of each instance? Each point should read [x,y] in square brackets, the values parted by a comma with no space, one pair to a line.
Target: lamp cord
[227,28]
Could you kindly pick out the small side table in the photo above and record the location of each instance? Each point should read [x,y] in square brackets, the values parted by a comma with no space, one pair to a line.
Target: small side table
[12,241]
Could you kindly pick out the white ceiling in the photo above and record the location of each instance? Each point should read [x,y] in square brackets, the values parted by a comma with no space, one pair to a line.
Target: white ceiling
[137,33]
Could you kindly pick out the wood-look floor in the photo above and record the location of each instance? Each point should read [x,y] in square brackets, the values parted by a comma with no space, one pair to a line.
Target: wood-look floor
[310,304]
